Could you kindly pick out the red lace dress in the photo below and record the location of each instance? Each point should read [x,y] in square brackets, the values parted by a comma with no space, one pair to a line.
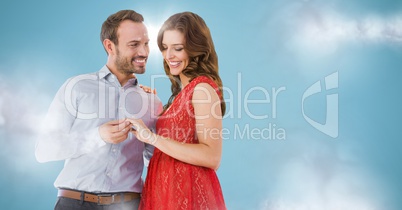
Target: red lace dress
[170,183]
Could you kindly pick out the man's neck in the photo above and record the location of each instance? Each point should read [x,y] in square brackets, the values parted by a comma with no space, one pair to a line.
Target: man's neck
[122,77]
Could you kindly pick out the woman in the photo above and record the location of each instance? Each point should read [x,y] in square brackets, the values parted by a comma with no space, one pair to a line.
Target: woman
[188,141]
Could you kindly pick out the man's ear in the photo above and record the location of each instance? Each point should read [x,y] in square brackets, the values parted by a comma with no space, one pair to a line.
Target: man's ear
[109,46]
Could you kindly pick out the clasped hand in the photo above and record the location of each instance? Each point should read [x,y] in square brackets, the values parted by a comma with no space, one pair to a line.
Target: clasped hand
[141,131]
[116,131]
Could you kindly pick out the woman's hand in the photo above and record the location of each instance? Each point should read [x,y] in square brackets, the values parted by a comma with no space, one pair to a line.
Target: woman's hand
[148,89]
[141,131]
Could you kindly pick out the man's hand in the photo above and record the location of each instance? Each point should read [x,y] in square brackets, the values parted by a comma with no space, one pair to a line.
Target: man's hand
[115,131]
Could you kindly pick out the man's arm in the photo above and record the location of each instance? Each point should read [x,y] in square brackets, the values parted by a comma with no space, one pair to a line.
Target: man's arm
[56,141]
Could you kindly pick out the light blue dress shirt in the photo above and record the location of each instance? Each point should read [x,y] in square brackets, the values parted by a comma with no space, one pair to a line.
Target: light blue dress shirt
[71,133]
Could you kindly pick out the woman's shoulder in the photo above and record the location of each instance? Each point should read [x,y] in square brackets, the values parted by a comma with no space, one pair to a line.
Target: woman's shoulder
[204,83]
[203,79]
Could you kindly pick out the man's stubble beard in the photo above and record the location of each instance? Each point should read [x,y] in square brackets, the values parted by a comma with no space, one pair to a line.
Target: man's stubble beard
[125,66]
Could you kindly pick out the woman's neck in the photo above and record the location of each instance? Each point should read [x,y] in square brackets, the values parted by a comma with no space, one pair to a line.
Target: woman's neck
[184,80]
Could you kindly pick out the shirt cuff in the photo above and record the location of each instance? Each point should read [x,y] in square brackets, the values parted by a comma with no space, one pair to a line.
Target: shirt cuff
[92,140]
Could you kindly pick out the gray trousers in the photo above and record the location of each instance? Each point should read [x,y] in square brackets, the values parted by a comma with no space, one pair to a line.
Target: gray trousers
[72,204]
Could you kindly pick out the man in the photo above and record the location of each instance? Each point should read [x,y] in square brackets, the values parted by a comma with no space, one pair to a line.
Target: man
[86,125]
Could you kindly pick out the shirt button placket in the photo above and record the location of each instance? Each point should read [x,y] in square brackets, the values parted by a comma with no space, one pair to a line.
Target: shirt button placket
[121,103]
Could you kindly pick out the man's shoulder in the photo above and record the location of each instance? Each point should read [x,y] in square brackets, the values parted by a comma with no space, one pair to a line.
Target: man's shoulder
[79,80]
[84,76]
[91,75]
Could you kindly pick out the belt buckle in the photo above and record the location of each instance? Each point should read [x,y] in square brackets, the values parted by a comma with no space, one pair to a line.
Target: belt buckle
[106,195]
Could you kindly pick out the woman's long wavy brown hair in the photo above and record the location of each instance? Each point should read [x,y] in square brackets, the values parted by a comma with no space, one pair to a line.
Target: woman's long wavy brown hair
[199,47]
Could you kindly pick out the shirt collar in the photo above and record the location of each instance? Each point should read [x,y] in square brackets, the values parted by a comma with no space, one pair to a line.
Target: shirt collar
[104,73]
[131,82]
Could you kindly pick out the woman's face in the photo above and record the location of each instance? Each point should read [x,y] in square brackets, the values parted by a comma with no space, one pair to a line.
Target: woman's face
[173,51]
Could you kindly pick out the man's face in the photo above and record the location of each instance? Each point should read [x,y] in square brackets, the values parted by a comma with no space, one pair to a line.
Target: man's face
[132,49]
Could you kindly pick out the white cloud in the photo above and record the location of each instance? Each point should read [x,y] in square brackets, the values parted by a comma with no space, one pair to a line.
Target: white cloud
[318,175]
[305,188]
[22,107]
[323,30]
[2,119]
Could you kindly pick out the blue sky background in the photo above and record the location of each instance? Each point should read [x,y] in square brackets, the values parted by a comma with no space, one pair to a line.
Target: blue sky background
[278,162]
